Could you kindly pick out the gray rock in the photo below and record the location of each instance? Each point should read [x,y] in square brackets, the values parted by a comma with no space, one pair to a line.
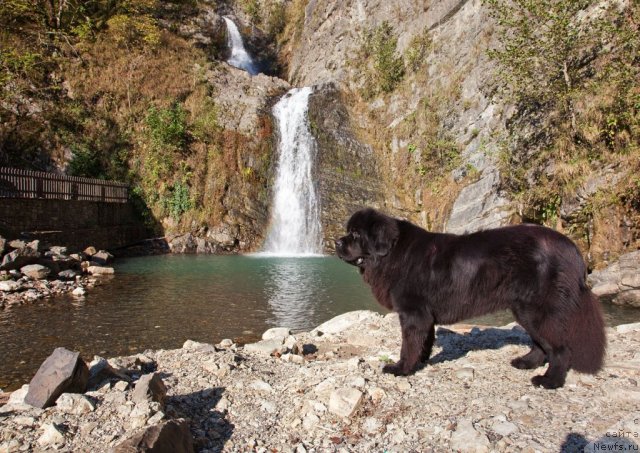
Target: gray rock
[149,388]
[63,371]
[74,403]
[345,401]
[90,251]
[9,286]
[19,258]
[51,436]
[171,436]
[276,333]
[58,250]
[3,245]
[100,370]
[102,257]
[267,347]
[466,439]
[191,345]
[100,270]
[35,271]
[68,274]
[345,321]
[17,244]
[620,281]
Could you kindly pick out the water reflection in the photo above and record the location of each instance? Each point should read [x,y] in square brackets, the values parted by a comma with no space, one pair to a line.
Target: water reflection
[291,288]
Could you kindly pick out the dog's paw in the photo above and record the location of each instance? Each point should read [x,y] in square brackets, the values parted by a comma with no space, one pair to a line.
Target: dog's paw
[523,364]
[546,382]
[397,369]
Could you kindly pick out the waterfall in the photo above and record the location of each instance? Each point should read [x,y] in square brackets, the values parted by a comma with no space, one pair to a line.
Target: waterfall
[239,56]
[295,218]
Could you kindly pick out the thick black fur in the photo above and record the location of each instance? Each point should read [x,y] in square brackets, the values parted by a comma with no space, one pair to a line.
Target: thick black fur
[432,278]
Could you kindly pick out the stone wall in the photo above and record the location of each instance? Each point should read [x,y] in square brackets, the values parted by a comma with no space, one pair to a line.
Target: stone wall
[74,224]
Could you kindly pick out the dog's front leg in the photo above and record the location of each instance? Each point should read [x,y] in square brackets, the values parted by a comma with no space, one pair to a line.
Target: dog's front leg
[417,330]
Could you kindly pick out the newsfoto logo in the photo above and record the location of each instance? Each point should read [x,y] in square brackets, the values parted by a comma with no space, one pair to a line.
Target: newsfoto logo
[624,436]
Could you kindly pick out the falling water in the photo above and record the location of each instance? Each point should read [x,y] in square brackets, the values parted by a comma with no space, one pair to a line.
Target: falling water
[239,56]
[295,219]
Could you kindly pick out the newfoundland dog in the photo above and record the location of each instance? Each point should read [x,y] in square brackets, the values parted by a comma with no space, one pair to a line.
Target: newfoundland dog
[432,278]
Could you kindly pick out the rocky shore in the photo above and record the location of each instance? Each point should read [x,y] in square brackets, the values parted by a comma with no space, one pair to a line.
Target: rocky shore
[324,391]
[29,272]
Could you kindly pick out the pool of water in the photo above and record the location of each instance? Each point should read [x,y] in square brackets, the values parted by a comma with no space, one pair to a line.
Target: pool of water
[158,302]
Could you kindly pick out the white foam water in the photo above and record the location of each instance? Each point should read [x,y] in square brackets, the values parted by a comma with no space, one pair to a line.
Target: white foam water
[295,227]
[239,57]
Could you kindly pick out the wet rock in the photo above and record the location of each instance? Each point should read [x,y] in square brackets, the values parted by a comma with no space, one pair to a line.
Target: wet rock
[172,436]
[345,401]
[68,274]
[35,271]
[102,257]
[90,251]
[19,258]
[79,291]
[100,270]
[620,281]
[58,250]
[63,371]
[149,387]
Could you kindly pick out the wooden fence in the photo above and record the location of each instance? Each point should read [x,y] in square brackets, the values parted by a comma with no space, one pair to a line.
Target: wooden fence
[16,183]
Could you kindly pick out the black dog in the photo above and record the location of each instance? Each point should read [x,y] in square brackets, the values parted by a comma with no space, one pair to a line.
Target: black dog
[432,278]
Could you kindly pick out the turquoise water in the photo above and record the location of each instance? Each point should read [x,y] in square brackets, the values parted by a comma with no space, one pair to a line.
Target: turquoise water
[158,302]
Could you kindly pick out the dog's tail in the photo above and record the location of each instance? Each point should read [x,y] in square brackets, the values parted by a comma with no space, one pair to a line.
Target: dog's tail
[586,335]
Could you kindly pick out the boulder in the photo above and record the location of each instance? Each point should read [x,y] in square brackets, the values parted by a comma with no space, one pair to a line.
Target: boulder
[100,270]
[51,436]
[191,345]
[74,403]
[19,258]
[90,251]
[343,322]
[58,250]
[466,439]
[171,436]
[266,347]
[149,388]
[17,244]
[620,281]
[35,271]
[100,370]
[68,274]
[102,257]
[3,245]
[63,371]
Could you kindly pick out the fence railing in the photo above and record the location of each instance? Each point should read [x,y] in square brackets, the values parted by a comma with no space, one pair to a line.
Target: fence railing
[17,183]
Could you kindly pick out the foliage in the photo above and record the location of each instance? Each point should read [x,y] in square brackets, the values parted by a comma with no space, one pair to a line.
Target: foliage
[252,9]
[418,50]
[167,127]
[179,200]
[382,67]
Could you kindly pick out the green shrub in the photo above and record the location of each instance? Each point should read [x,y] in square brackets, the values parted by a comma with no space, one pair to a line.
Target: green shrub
[383,68]
[418,50]
[179,200]
[167,127]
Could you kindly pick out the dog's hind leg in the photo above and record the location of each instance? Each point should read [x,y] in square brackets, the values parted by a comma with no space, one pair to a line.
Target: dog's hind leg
[557,372]
[417,332]
[533,359]
[427,347]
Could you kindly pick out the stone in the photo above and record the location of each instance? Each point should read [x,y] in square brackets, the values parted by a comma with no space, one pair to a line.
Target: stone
[67,274]
[79,291]
[267,347]
[3,245]
[58,250]
[276,333]
[17,244]
[74,403]
[9,286]
[504,428]
[626,328]
[191,345]
[345,321]
[226,343]
[466,374]
[261,386]
[90,251]
[149,387]
[63,371]
[51,436]
[19,258]
[100,270]
[620,281]
[466,439]
[171,436]
[100,370]
[102,257]
[345,401]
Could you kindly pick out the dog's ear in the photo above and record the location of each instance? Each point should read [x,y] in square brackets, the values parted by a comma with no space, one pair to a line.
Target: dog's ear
[384,234]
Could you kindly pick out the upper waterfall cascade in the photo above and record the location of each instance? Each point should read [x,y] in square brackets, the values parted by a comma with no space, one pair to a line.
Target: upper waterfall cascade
[239,57]
[295,217]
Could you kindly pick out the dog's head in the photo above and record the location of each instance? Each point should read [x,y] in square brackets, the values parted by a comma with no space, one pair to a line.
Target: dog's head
[370,236]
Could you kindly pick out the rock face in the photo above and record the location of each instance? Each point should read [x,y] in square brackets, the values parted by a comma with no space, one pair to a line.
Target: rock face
[63,371]
[619,282]
[347,170]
